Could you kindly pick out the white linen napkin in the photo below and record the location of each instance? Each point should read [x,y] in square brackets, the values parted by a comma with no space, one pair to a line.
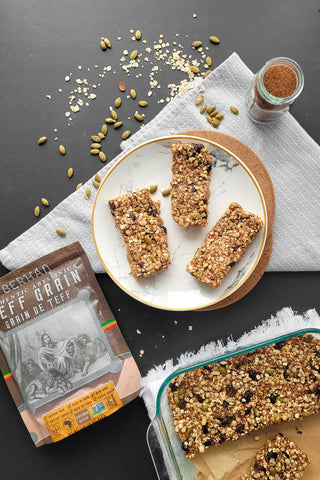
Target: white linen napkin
[284,322]
[289,153]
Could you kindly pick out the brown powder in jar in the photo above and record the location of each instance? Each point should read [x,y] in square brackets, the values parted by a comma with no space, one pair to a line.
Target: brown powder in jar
[280,81]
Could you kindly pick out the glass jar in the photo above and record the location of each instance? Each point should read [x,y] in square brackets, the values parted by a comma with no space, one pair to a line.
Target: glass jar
[264,107]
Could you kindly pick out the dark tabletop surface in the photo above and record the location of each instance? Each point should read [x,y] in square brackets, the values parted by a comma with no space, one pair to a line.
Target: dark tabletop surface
[40,43]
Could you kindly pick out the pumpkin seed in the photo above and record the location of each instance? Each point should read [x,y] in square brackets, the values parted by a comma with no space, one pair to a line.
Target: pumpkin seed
[143,103]
[203,108]
[214,122]
[102,156]
[107,42]
[234,110]
[79,186]
[209,118]
[95,138]
[138,35]
[37,211]
[153,188]
[117,124]
[204,407]
[95,145]
[211,109]
[214,39]
[70,172]
[103,45]
[197,44]
[101,136]
[114,114]
[199,99]
[97,178]
[117,102]
[208,61]
[147,240]
[219,116]
[62,150]
[133,93]
[196,216]
[42,140]
[138,117]
[104,129]
[94,151]
[152,258]
[194,69]
[45,202]
[133,54]
[61,232]
[126,134]
[188,432]
[207,73]
[214,113]
[122,87]
[88,193]
[96,184]
[223,370]
[166,192]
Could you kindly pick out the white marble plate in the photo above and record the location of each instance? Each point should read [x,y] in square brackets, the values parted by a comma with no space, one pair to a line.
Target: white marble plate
[174,288]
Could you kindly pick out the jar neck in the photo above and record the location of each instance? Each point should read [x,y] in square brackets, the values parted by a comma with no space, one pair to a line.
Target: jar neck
[287,62]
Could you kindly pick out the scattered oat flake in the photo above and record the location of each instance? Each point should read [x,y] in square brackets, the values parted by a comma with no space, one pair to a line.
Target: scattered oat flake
[194,15]
[138,331]
[48,96]
[67,78]
[67,114]
[190,328]
[175,322]
[79,67]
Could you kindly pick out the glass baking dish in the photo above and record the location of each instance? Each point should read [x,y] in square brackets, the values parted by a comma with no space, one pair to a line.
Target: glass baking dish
[164,444]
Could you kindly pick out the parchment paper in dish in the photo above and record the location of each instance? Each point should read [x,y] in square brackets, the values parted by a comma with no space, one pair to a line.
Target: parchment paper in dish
[231,459]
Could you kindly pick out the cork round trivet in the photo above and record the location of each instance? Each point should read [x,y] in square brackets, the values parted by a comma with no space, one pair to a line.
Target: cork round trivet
[253,162]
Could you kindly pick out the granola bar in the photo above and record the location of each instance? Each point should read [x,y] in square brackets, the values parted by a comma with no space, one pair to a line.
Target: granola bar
[224,245]
[223,401]
[138,218]
[191,173]
[279,459]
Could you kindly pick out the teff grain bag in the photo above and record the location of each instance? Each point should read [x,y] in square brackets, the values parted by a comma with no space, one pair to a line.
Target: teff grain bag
[62,354]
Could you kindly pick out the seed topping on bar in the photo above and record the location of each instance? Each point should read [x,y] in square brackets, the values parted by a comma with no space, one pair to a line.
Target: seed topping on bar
[279,459]
[223,401]
[191,173]
[224,245]
[138,218]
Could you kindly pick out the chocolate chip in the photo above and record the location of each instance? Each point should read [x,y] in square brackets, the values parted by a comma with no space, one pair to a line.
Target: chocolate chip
[230,391]
[208,443]
[231,264]
[253,375]
[205,429]
[173,386]
[206,367]
[185,446]
[285,372]
[273,398]
[198,147]
[225,404]
[278,345]
[240,428]
[163,228]
[132,216]
[200,399]
[317,390]
[223,438]
[247,396]
[226,420]
[271,455]
[247,410]
[182,404]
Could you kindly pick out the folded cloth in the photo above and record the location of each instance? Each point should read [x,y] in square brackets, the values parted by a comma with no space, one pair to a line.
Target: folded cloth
[284,322]
[289,153]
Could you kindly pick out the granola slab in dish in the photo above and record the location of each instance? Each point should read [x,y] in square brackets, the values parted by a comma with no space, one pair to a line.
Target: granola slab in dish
[224,245]
[279,459]
[137,217]
[226,400]
[191,173]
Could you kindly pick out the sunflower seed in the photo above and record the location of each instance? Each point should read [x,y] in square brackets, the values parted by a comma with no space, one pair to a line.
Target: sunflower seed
[102,156]
[42,140]
[194,69]
[203,108]
[114,114]
[88,193]
[79,186]
[138,117]
[101,136]
[143,103]
[96,184]
[107,42]
[62,150]
[45,202]
[208,61]
[117,102]
[94,151]
[104,129]
[97,178]
[166,192]
[103,45]
[211,109]
[37,211]
[214,113]
[126,134]
[153,188]
[109,120]
[219,116]
[133,93]
[234,110]
[199,99]
[133,54]
[138,35]
[95,138]
[117,125]
[70,172]
[95,145]
[207,73]
[209,118]
[61,232]
[214,39]
[215,123]
[197,44]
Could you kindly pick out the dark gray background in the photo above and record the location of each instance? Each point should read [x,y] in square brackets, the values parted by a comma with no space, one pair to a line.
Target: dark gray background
[40,43]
